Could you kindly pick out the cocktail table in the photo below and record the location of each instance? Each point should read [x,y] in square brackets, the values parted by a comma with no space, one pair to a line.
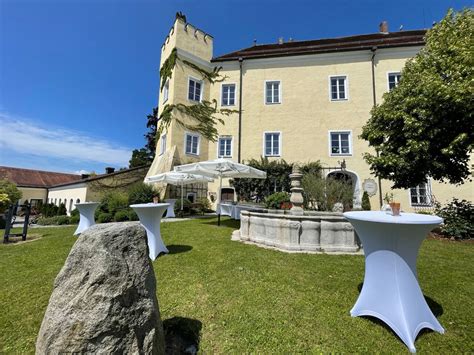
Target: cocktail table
[150,217]
[170,210]
[86,213]
[391,291]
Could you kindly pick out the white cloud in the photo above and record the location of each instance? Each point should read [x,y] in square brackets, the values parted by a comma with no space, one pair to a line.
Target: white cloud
[26,137]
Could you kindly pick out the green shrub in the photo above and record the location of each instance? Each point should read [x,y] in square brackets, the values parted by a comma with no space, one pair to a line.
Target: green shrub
[322,194]
[111,203]
[74,219]
[104,217]
[132,215]
[186,207]
[60,220]
[3,223]
[275,200]
[55,220]
[49,210]
[141,193]
[62,210]
[75,212]
[458,218]
[366,202]
[205,205]
[121,216]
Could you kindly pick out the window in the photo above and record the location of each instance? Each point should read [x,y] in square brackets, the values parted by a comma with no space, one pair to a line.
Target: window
[166,91]
[192,144]
[163,144]
[338,88]
[272,144]
[225,147]
[228,95]
[393,80]
[272,92]
[191,196]
[195,88]
[340,143]
[421,195]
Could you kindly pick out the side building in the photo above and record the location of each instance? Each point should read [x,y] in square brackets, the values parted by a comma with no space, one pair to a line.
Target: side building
[34,184]
[69,189]
[299,101]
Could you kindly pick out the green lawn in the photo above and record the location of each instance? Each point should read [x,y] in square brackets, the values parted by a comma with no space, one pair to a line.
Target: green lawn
[249,299]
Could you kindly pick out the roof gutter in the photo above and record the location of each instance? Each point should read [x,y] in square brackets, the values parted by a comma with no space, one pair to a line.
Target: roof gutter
[239,154]
[374,50]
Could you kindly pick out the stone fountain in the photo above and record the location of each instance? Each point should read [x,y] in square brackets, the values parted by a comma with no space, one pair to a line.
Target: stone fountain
[297,230]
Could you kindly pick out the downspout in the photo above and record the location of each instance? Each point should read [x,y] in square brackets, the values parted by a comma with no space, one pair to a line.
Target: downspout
[240,111]
[373,50]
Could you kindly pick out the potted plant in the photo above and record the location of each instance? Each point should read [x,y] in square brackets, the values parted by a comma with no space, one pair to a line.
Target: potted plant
[388,198]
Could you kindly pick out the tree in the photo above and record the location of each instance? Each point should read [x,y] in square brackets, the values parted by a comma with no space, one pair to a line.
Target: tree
[145,156]
[11,191]
[425,126]
[366,202]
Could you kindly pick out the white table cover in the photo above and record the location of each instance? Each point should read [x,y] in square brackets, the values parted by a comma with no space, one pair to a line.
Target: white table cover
[170,209]
[150,217]
[86,213]
[233,211]
[391,291]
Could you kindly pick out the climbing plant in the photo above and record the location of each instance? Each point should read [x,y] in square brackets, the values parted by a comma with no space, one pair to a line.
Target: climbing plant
[203,114]
[166,70]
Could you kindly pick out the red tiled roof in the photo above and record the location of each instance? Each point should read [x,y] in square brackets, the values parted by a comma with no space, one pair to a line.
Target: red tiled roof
[352,43]
[35,178]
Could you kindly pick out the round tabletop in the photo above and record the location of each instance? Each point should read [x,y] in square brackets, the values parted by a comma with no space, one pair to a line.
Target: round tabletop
[383,217]
[149,205]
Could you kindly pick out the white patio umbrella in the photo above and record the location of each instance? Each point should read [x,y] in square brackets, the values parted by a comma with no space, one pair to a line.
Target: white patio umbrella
[179,179]
[221,168]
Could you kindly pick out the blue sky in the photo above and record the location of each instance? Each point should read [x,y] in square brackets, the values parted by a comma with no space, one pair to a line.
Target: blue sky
[78,77]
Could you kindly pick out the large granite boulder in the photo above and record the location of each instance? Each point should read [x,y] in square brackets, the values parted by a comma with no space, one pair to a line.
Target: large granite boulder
[104,298]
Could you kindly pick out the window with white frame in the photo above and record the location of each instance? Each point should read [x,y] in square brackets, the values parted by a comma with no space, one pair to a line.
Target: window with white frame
[421,195]
[393,80]
[195,89]
[272,144]
[228,95]
[272,92]
[163,144]
[166,91]
[340,142]
[338,88]
[192,144]
[225,147]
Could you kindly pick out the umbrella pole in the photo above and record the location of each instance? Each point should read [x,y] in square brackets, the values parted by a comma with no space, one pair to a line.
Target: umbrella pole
[181,196]
[219,200]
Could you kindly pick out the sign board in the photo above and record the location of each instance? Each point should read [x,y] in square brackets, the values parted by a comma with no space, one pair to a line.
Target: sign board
[370,186]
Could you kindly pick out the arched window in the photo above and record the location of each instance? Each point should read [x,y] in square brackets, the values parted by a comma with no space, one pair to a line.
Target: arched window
[78,200]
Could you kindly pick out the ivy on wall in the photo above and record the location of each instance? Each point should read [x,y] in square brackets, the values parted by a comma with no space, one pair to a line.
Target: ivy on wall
[203,114]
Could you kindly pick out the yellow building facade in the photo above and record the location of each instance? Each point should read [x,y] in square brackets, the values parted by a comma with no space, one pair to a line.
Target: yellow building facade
[298,101]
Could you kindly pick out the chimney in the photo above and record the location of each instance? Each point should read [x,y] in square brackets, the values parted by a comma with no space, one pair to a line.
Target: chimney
[383,27]
[109,170]
[280,40]
[84,176]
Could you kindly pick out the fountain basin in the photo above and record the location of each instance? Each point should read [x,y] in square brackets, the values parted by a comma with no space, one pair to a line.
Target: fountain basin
[327,232]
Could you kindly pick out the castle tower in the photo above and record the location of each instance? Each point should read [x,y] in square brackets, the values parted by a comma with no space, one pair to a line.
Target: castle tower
[185,85]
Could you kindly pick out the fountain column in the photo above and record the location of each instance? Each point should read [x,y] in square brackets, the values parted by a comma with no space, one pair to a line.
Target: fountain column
[296,197]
